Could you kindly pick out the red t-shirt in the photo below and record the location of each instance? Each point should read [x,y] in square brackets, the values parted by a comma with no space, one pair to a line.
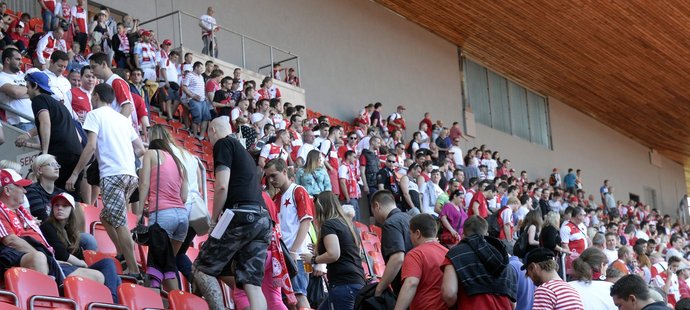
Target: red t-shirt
[50,4]
[478,301]
[424,263]
[428,125]
[212,86]
[483,208]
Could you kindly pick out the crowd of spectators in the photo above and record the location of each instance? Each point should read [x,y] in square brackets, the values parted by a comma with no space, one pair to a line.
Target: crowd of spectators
[460,229]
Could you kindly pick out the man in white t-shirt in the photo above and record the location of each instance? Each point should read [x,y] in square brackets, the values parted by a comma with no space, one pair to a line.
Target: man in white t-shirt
[209,27]
[59,84]
[193,86]
[456,152]
[611,251]
[168,79]
[146,56]
[116,145]
[13,89]
[307,146]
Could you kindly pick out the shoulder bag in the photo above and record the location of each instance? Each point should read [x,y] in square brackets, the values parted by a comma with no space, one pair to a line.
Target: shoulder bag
[199,218]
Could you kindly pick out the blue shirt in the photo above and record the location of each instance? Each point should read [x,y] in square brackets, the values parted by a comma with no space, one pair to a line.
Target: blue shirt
[569,180]
[525,287]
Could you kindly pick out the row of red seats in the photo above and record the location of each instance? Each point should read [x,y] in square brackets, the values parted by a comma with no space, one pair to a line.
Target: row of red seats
[373,263]
[28,289]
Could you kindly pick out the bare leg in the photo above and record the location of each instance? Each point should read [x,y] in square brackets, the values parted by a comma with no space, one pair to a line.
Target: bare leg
[89,274]
[35,261]
[95,191]
[85,190]
[123,243]
[257,300]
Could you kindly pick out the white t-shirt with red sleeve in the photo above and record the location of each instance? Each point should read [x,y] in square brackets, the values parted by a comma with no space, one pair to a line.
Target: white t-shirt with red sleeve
[271,151]
[575,236]
[122,96]
[295,206]
[80,16]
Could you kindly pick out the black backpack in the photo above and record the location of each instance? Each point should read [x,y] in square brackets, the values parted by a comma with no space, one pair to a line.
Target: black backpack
[494,226]
[520,247]
[33,42]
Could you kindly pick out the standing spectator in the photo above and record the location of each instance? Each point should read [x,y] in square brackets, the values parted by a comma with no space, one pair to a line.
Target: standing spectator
[589,280]
[455,131]
[208,68]
[338,247]
[48,14]
[121,47]
[313,175]
[552,292]
[376,116]
[410,191]
[296,215]
[421,271]
[79,98]
[13,89]
[330,151]
[574,232]
[396,120]
[525,286]
[478,204]
[306,147]
[349,178]
[275,149]
[452,218]
[292,77]
[456,152]
[193,87]
[74,78]
[211,86]
[610,200]
[427,123]
[431,190]
[229,255]
[555,178]
[370,165]
[118,146]
[79,23]
[550,237]
[222,100]
[208,29]
[631,292]
[395,238]
[59,85]
[145,56]
[167,194]
[268,90]
[122,101]
[54,127]
[49,42]
[476,273]
[570,181]
[387,180]
[505,222]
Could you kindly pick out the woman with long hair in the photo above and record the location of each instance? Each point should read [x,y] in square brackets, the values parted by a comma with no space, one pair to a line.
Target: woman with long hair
[313,176]
[452,218]
[413,146]
[163,184]
[590,280]
[194,172]
[62,232]
[550,237]
[532,225]
[643,261]
[338,247]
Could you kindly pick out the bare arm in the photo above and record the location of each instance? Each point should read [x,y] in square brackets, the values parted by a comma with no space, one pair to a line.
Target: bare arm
[407,293]
[19,244]
[301,235]
[406,191]
[44,130]
[475,208]
[221,191]
[89,149]
[332,245]
[145,181]
[362,170]
[343,186]
[531,233]
[449,287]
[14,91]
[127,109]
[138,147]
[393,266]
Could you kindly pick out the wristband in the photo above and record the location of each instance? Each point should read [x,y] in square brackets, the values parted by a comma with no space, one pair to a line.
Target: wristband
[313,260]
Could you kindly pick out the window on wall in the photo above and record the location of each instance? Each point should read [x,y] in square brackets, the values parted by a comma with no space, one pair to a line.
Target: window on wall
[505,105]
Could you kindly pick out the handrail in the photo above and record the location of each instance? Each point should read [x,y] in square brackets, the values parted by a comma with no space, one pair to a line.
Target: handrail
[8,108]
[277,62]
[243,37]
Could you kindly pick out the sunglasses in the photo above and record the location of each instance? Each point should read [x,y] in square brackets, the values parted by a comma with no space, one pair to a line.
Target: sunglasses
[391,161]
[352,138]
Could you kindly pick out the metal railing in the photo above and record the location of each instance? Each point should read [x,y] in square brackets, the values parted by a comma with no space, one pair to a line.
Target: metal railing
[249,58]
[8,108]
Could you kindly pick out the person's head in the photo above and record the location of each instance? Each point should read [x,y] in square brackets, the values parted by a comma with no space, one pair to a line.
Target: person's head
[630,292]
[11,60]
[382,203]
[74,78]
[422,228]
[350,157]
[87,78]
[102,95]
[276,173]
[313,162]
[475,225]
[590,265]
[267,82]
[210,11]
[198,67]
[533,217]
[237,73]
[308,136]
[673,263]
[327,207]
[489,191]
[540,265]
[45,168]
[578,215]
[374,143]
[99,65]
[599,241]
[457,197]
[66,216]
[58,32]
[677,241]
[611,240]
[219,128]
[12,188]
[137,76]
[552,219]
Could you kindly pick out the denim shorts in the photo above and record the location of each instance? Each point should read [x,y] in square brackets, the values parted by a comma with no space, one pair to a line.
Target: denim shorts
[301,280]
[199,110]
[175,221]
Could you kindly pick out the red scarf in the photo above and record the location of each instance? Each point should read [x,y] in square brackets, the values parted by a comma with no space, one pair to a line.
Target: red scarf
[281,278]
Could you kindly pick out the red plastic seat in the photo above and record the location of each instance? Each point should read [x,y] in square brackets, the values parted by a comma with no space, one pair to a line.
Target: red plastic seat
[138,297]
[89,294]
[362,227]
[35,290]
[375,229]
[91,215]
[180,300]
[105,245]
[8,298]
[91,257]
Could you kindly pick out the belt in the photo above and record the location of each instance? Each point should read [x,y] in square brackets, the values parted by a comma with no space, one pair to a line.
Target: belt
[239,208]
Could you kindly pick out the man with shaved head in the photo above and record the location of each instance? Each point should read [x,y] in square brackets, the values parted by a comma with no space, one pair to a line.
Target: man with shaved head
[237,197]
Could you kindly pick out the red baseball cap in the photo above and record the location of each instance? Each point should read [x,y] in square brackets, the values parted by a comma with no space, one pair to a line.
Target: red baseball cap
[9,176]
[145,33]
[167,42]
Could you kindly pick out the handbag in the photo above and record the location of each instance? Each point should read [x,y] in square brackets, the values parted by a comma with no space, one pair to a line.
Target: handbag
[141,234]
[316,291]
[199,218]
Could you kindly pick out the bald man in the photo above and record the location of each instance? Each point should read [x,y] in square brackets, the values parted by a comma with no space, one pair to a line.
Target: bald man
[237,197]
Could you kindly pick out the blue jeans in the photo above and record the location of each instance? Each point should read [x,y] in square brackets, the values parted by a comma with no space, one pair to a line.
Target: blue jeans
[199,111]
[88,242]
[341,296]
[112,280]
[48,20]
[175,221]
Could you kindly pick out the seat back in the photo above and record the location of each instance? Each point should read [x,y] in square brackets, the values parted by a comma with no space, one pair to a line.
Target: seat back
[138,297]
[35,288]
[105,245]
[362,227]
[180,300]
[85,291]
[91,215]
[91,257]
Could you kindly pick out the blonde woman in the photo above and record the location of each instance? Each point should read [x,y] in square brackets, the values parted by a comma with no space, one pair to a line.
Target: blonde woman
[550,237]
[313,176]
[338,247]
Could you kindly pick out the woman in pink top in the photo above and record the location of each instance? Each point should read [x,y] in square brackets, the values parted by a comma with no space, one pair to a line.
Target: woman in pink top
[162,183]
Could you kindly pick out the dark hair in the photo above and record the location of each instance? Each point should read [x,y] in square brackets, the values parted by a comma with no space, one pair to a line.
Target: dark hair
[348,153]
[475,225]
[208,62]
[83,69]
[188,54]
[59,55]
[8,53]
[105,92]
[455,193]
[673,259]
[377,105]
[425,223]
[197,64]
[223,80]
[630,285]
[383,197]
[588,263]
[160,144]
[216,73]
[100,59]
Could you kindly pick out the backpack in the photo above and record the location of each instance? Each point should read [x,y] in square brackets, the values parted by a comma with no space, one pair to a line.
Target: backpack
[520,247]
[552,180]
[33,42]
[494,226]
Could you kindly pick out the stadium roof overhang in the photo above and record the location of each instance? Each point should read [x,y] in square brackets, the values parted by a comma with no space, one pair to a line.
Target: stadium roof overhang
[624,63]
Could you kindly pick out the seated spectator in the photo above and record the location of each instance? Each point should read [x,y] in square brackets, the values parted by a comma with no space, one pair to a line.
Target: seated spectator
[62,234]
[59,85]
[17,36]
[74,78]
[292,78]
[13,89]
[121,47]
[78,60]
[15,251]
[452,218]
[268,90]
[665,278]
[50,42]
[223,102]
[98,33]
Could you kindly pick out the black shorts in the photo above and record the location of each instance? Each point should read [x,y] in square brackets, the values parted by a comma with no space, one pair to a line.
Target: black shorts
[241,251]
[93,175]
[9,258]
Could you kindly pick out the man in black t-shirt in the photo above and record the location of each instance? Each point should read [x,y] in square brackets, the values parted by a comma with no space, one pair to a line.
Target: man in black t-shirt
[54,126]
[222,99]
[237,192]
[395,238]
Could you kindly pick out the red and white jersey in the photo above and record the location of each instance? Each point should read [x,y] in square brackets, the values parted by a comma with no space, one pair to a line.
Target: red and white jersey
[47,45]
[80,100]
[272,150]
[395,118]
[329,150]
[295,206]
[237,112]
[271,93]
[65,10]
[350,174]
[122,96]
[363,118]
[80,16]
[278,121]
[659,277]
[146,54]
[295,143]
[575,236]
[50,4]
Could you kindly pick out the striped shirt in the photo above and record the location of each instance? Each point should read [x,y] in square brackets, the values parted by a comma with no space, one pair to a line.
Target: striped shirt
[556,295]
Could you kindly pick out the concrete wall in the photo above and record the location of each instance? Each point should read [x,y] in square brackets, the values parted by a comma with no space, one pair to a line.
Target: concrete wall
[602,153]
